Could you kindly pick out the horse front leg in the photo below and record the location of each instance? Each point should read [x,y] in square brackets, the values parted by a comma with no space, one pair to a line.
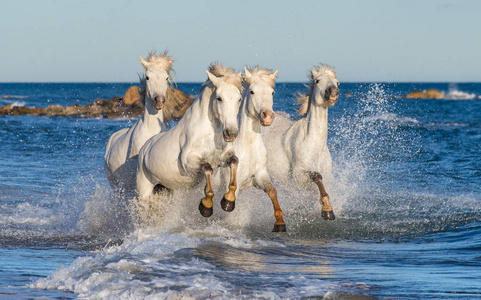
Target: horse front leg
[279,225]
[327,213]
[206,204]
[228,201]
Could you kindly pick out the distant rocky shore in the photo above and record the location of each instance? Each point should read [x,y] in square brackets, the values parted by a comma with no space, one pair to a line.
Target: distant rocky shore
[128,106]
[131,106]
[431,94]
[435,94]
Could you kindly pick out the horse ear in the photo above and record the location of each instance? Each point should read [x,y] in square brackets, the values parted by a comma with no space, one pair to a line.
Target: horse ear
[248,74]
[144,62]
[170,61]
[314,73]
[213,78]
[274,75]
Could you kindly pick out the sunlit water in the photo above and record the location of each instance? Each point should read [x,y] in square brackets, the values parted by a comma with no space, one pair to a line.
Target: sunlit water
[405,191]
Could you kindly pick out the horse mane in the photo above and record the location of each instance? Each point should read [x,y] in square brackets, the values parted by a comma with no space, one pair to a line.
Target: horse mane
[163,60]
[228,74]
[304,99]
[261,74]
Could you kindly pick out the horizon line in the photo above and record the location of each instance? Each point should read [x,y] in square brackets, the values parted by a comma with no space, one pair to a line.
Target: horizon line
[200,82]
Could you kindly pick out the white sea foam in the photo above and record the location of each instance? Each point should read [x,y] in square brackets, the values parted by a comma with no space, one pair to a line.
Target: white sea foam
[18,104]
[455,94]
[141,268]
[27,214]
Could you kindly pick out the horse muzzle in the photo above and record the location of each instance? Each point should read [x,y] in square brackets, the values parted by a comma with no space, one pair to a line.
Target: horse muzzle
[332,95]
[159,102]
[266,117]
[230,134]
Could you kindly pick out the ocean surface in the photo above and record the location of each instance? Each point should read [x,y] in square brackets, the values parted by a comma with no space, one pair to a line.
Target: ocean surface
[405,190]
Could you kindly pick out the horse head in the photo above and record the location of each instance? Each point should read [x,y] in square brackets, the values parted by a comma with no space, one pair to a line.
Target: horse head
[324,90]
[226,102]
[258,94]
[157,77]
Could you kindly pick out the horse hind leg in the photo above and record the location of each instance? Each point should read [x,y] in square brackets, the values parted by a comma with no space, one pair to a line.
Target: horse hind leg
[228,200]
[206,204]
[327,213]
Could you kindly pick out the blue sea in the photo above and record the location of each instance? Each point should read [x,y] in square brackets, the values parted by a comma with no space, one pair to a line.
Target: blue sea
[405,190]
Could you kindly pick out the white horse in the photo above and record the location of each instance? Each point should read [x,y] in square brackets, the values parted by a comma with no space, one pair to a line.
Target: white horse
[201,141]
[300,153]
[124,145]
[256,110]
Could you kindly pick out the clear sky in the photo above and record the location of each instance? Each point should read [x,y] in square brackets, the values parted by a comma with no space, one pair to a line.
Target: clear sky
[365,40]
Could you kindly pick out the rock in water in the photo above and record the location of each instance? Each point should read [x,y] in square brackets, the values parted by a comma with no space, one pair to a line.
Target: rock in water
[429,94]
[131,96]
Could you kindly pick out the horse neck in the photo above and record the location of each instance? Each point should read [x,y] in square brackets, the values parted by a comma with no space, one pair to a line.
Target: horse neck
[316,119]
[249,124]
[153,118]
[198,112]
[205,96]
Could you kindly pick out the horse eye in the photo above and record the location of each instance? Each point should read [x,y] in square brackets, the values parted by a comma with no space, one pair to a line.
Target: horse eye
[317,80]
[167,78]
[272,93]
[146,77]
[252,92]
[219,98]
[240,99]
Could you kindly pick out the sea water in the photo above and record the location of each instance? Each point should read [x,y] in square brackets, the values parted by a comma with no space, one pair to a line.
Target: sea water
[405,190]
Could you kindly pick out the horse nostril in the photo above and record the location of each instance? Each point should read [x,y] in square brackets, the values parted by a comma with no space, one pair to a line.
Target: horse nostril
[333,91]
[263,115]
[230,134]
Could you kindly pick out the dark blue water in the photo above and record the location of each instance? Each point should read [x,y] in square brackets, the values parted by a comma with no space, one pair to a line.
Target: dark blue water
[405,190]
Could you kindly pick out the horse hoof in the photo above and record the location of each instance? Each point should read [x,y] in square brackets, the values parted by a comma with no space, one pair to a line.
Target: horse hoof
[279,228]
[227,205]
[205,211]
[328,215]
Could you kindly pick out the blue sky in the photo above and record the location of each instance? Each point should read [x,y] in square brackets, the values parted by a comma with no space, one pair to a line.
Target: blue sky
[88,41]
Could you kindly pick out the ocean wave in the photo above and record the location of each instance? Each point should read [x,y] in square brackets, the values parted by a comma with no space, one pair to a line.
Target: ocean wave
[390,117]
[12,104]
[27,214]
[460,95]
[118,271]
[157,264]
[18,104]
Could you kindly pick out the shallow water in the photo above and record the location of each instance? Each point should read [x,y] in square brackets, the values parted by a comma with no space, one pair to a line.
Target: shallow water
[405,190]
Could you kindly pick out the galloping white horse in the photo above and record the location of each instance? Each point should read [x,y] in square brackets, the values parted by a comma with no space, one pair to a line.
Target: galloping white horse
[124,145]
[301,153]
[249,146]
[201,141]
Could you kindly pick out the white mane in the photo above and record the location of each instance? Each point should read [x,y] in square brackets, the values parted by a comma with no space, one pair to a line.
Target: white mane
[261,74]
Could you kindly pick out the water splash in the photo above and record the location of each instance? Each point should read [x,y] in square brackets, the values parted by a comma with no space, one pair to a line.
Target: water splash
[455,93]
